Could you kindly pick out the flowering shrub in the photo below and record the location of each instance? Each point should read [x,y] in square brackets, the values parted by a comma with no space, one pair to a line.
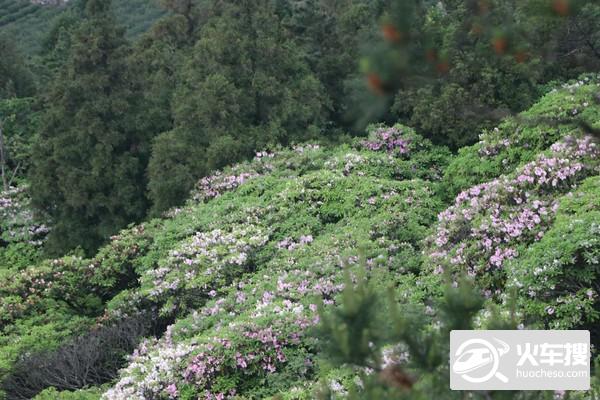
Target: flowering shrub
[34,286]
[212,186]
[16,219]
[203,264]
[42,306]
[254,351]
[232,281]
[21,236]
[491,223]
[558,278]
[393,140]
[245,329]
[264,163]
[520,139]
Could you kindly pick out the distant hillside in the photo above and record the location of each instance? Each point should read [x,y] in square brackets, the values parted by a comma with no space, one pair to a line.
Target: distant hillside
[28,23]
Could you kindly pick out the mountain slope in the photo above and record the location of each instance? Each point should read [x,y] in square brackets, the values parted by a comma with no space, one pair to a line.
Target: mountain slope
[226,290]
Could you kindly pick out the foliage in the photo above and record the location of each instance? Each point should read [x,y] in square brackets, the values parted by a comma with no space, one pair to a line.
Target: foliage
[19,118]
[45,305]
[518,140]
[400,352]
[304,270]
[15,77]
[18,223]
[271,271]
[21,235]
[89,160]
[90,359]
[244,86]
[53,394]
[30,23]
[207,257]
[447,63]
[557,279]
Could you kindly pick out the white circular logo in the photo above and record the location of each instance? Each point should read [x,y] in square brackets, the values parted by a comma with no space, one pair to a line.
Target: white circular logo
[478,360]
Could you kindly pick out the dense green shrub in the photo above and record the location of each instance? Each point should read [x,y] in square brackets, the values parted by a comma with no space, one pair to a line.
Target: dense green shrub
[558,278]
[84,394]
[518,140]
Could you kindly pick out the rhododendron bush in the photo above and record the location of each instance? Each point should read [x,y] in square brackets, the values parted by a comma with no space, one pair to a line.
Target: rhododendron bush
[491,223]
[255,290]
[558,278]
[21,235]
[17,223]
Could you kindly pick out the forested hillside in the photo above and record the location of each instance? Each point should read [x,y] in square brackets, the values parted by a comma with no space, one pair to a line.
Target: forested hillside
[291,199]
[30,23]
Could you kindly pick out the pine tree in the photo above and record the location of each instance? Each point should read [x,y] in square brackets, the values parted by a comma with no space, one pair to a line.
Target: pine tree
[89,162]
[416,338]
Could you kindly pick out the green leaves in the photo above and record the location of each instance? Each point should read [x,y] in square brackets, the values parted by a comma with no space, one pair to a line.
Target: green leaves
[353,331]
[88,174]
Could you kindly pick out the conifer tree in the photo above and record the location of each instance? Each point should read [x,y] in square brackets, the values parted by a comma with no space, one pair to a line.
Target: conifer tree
[88,174]
[245,85]
[367,324]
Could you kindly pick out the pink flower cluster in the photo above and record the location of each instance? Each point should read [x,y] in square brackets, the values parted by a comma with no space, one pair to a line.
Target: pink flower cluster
[492,149]
[206,365]
[172,391]
[213,186]
[290,244]
[489,221]
[259,350]
[388,139]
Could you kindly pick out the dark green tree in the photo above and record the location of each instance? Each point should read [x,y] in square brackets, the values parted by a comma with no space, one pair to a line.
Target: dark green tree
[245,85]
[567,34]
[19,121]
[154,63]
[88,173]
[334,34]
